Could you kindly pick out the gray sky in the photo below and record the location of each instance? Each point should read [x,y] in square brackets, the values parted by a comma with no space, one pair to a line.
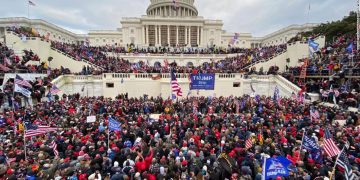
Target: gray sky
[258,17]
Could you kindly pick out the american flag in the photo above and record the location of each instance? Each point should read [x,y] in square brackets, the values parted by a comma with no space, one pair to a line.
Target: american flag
[314,114]
[175,87]
[54,89]
[53,146]
[329,145]
[20,81]
[10,160]
[34,130]
[248,143]
[31,3]
[343,162]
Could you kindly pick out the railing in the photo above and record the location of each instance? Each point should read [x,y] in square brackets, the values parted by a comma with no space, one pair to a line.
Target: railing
[67,55]
[288,84]
[264,60]
[164,75]
[185,55]
[83,60]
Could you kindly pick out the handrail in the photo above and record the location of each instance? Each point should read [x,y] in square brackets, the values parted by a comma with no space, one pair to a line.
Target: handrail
[288,84]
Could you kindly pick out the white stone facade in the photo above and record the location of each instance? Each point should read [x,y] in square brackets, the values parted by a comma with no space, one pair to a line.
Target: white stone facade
[165,24]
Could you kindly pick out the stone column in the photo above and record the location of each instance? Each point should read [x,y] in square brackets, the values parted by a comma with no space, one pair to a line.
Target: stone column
[168,35]
[156,35]
[201,35]
[189,40]
[186,35]
[160,35]
[197,37]
[143,35]
[147,35]
[177,35]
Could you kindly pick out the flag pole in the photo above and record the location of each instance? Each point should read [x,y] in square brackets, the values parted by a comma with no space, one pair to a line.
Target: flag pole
[28,9]
[302,140]
[108,138]
[12,101]
[334,168]
[24,142]
[358,26]
[170,86]
[263,169]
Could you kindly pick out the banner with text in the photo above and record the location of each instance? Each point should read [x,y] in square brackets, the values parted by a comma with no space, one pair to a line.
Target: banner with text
[202,82]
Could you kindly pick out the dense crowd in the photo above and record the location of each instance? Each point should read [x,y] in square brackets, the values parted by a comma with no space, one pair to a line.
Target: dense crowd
[197,138]
[13,63]
[97,56]
[336,62]
[9,61]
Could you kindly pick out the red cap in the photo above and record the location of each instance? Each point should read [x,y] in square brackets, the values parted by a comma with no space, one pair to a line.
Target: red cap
[184,163]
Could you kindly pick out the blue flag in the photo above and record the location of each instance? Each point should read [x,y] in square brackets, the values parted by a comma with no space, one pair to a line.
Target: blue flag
[260,108]
[2,121]
[114,125]
[350,48]
[275,167]
[314,149]
[313,47]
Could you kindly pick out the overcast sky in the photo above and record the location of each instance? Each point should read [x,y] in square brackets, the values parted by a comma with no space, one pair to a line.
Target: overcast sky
[258,17]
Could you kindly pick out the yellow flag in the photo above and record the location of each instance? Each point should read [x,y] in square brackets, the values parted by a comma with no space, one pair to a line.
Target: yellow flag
[46,65]
[21,127]
[34,32]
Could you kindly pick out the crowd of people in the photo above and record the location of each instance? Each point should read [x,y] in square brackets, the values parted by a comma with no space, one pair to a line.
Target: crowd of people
[19,63]
[189,138]
[98,56]
[193,138]
[336,64]
[9,61]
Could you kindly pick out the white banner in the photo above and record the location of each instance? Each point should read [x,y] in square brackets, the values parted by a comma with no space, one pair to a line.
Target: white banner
[22,90]
[90,119]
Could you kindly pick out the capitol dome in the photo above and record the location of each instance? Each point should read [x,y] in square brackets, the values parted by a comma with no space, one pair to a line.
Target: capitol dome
[183,8]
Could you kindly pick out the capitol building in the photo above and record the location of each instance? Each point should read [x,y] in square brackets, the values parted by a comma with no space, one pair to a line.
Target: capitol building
[167,23]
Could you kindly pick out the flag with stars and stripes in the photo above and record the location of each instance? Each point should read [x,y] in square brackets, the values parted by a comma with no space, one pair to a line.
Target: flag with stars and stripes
[343,162]
[34,130]
[20,81]
[314,114]
[248,143]
[53,146]
[54,89]
[175,87]
[329,145]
